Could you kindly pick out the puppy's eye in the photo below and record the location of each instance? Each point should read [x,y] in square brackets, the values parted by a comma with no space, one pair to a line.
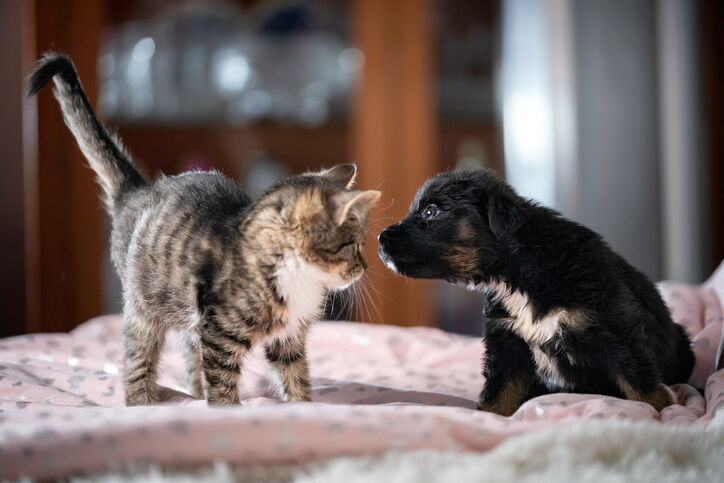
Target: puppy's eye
[430,212]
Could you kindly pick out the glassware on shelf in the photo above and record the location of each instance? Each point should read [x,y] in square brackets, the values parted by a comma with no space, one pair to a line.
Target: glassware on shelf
[212,62]
[262,173]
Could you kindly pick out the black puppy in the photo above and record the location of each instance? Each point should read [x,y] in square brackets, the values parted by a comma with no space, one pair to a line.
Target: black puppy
[565,313]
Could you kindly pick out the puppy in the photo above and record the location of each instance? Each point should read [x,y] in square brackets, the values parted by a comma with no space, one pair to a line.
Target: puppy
[564,312]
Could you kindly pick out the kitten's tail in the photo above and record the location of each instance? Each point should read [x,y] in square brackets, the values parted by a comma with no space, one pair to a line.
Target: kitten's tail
[103,151]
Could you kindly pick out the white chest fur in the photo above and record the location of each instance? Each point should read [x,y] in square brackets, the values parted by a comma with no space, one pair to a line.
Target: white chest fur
[548,369]
[534,331]
[522,320]
[302,287]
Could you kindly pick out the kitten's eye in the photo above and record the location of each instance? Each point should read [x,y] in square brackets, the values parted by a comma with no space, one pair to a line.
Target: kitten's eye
[430,212]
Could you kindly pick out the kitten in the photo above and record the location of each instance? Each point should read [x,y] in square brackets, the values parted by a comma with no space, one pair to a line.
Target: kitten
[194,253]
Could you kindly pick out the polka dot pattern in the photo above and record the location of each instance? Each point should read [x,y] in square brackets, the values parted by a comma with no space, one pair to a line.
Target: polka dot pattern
[375,388]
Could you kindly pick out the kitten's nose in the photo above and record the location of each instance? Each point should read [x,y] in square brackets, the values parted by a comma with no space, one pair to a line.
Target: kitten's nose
[364,265]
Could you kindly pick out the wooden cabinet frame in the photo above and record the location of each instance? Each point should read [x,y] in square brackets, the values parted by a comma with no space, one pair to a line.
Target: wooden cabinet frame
[392,138]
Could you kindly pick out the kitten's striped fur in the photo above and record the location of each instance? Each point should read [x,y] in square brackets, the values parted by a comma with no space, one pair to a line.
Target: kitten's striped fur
[194,253]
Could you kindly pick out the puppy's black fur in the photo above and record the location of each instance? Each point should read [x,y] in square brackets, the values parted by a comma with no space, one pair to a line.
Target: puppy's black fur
[565,313]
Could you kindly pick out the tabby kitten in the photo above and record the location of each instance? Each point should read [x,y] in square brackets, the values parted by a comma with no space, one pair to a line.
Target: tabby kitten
[194,253]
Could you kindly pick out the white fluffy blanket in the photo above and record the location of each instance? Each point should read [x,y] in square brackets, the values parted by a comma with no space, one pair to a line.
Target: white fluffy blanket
[591,451]
[594,451]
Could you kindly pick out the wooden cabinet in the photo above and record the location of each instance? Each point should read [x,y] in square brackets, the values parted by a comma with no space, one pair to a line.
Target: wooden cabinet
[393,132]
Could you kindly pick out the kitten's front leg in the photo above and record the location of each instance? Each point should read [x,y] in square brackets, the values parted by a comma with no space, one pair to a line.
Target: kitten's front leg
[289,359]
[222,352]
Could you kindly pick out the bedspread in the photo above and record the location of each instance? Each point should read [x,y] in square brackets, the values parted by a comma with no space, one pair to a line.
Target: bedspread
[375,388]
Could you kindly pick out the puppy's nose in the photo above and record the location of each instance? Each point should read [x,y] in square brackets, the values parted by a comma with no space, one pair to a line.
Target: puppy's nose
[386,234]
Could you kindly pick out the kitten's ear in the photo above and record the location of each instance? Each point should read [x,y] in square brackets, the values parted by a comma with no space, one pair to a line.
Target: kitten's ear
[344,174]
[504,216]
[354,203]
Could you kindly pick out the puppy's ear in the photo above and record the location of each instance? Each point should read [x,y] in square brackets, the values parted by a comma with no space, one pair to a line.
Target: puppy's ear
[504,216]
[344,174]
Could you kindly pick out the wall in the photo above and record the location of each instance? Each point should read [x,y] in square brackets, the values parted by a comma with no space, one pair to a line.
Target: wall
[617,124]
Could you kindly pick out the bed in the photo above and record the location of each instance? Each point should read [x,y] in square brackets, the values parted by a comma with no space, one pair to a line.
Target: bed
[379,392]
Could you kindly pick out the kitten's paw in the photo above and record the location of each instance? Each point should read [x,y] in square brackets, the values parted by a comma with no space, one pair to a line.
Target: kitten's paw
[215,400]
[197,392]
[196,389]
[144,398]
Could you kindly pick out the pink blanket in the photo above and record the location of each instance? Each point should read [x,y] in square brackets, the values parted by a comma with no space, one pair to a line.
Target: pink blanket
[375,388]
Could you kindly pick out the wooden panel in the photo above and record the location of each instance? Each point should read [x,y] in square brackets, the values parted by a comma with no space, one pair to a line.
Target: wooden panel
[164,148]
[70,218]
[394,137]
[393,141]
[14,22]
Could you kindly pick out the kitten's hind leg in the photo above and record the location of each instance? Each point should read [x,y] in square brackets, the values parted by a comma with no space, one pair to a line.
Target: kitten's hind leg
[289,359]
[142,340]
[194,366]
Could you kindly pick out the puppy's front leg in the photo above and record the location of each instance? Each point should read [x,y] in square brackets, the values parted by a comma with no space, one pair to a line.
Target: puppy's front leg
[509,371]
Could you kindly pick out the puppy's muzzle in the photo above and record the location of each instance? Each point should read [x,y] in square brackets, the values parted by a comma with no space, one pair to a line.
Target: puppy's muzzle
[388,235]
[388,242]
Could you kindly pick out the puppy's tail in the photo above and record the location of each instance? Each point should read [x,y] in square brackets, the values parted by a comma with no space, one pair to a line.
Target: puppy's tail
[104,153]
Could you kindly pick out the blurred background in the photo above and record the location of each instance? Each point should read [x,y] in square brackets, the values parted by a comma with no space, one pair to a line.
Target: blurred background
[610,112]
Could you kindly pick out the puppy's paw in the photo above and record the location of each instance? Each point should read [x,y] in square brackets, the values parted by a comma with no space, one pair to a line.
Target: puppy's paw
[659,398]
[501,409]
